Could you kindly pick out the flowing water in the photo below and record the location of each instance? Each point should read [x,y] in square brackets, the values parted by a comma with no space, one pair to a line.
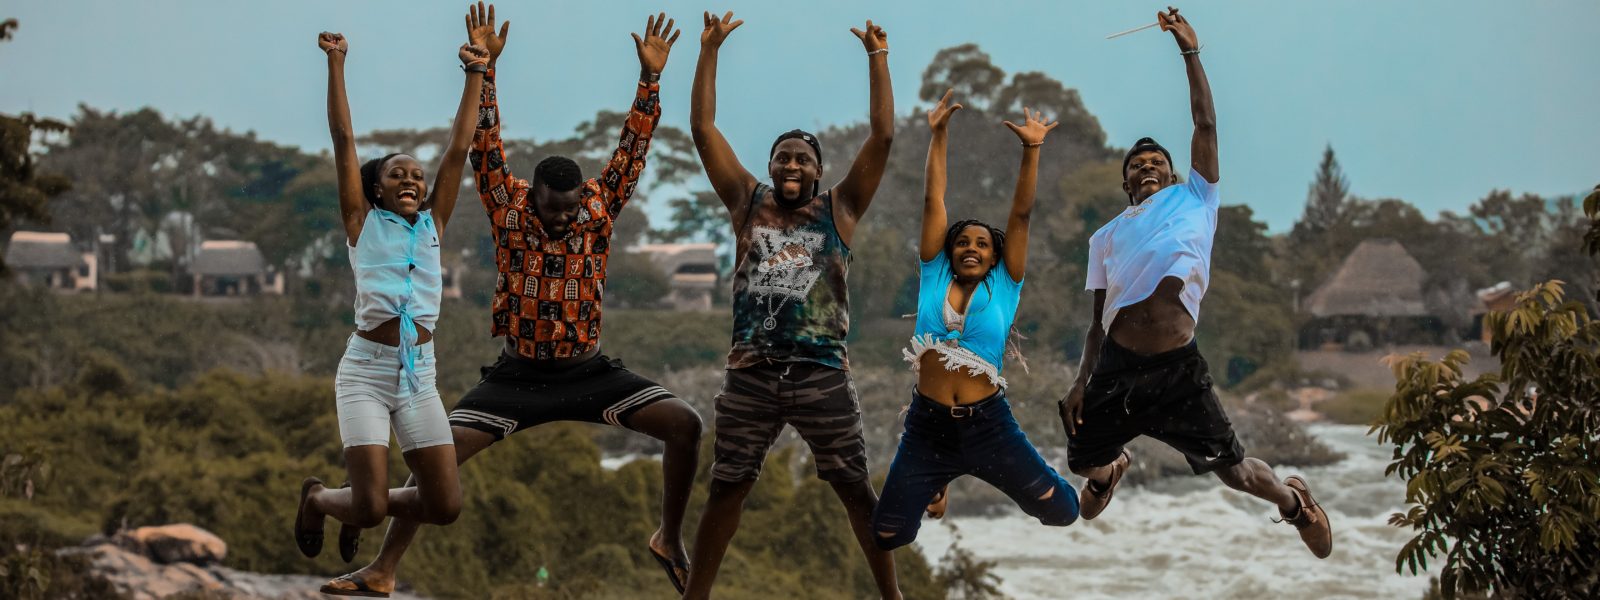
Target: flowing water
[1191,537]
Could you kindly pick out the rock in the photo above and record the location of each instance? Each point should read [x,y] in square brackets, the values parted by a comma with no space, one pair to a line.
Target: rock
[141,578]
[177,543]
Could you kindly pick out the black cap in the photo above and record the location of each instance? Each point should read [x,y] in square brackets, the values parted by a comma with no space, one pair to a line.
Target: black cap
[1144,145]
[803,136]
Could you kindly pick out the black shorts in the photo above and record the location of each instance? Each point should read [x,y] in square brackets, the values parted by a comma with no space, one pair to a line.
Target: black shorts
[516,393]
[1166,396]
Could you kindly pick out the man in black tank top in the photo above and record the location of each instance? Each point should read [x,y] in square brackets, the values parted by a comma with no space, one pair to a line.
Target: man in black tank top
[788,365]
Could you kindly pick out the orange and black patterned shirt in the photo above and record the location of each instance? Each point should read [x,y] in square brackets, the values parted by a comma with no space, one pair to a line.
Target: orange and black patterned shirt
[548,294]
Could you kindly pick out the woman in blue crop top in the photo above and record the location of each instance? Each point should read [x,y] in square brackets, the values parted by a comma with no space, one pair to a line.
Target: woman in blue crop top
[958,422]
[392,227]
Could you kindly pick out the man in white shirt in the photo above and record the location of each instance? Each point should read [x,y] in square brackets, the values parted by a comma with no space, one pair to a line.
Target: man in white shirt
[1148,269]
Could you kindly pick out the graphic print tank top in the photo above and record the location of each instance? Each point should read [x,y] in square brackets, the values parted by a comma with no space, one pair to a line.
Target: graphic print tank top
[789,298]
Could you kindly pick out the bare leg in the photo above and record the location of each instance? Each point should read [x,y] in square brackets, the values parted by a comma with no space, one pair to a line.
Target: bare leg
[380,573]
[437,501]
[1254,477]
[675,423]
[859,500]
[718,523]
[366,502]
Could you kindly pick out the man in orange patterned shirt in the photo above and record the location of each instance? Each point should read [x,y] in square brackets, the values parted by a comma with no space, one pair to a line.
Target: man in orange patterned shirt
[552,245]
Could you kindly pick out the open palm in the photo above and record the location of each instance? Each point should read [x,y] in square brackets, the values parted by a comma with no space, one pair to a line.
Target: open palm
[480,30]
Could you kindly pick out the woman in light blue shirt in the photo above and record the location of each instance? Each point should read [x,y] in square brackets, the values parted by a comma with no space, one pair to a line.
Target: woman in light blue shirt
[959,422]
[392,227]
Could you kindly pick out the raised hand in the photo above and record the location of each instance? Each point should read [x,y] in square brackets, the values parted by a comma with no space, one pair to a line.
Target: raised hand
[480,30]
[472,54]
[1033,128]
[717,29]
[874,38]
[330,42]
[939,116]
[1171,21]
[656,43]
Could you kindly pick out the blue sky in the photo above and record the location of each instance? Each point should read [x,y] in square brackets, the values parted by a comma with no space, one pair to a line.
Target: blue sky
[1436,103]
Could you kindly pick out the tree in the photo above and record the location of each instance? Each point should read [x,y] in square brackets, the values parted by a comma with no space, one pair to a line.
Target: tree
[24,189]
[1326,200]
[1501,470]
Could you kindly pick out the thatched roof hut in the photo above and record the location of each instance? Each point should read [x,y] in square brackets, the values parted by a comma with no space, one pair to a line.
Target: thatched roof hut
[1378,279]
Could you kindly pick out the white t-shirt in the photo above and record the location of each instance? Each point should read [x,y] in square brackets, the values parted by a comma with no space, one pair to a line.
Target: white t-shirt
[1169,234]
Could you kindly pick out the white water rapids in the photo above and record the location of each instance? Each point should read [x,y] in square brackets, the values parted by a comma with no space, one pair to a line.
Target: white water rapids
[1192,537]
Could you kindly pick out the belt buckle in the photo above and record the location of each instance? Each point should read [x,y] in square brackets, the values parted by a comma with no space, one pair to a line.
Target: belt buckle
[961,412]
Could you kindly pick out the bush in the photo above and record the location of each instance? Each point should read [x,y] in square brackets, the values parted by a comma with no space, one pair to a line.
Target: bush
[1503,483]
[156,282]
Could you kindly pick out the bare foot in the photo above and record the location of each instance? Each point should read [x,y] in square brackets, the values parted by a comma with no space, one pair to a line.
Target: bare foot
[940,503]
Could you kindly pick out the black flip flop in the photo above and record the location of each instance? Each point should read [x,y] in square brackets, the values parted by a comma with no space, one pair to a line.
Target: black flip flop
[362,589]
[349,538]
[671,567]
[310,542]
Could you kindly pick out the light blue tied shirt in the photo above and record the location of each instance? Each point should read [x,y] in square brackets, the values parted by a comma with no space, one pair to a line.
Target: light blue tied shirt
[397,270]
[979,345]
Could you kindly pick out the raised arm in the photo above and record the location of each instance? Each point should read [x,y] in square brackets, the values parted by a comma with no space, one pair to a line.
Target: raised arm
[621,174]
[934,218]
[496,186]
[447,181]
[1203,146]
[1031,133]
[855,191]
[352,201]
[732,182]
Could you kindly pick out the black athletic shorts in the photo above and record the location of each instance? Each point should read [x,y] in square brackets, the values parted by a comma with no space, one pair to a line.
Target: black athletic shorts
[1166,396]
[516,393]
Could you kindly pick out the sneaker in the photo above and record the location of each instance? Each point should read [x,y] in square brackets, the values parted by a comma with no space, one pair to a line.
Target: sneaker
[1090,502]
[1312,521]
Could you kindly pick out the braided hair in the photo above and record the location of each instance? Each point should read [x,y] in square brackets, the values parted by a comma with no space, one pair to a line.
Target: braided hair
[997,237]
[998,242]
[370,173]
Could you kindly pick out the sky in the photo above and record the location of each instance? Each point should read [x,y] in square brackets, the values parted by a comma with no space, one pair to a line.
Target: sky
[1436,103]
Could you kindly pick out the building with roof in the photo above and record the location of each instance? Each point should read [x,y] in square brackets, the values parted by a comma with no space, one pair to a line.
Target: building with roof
[691,271]
[51,260]
[1374,298]
[233,268]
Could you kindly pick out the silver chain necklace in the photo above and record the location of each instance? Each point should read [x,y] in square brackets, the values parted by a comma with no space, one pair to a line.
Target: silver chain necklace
[772,313]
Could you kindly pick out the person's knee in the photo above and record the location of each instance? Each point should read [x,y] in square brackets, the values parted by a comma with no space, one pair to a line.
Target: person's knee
[369,509]
[1242,475]
[1054,503]
[687,427]
[444,511]
[890,532]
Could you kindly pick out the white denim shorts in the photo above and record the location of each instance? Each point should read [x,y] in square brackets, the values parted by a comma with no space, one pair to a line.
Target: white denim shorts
[372,394]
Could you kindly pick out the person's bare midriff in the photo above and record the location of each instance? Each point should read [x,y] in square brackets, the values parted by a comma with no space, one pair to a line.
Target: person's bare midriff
[1156,324]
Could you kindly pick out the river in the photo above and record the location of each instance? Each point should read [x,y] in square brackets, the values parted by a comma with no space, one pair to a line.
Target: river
[1192,537]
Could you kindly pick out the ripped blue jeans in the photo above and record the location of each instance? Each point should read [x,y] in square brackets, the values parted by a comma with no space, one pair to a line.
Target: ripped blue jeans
[983,440]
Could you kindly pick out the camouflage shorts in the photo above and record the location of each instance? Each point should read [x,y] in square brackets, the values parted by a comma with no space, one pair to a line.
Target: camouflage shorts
[819,401]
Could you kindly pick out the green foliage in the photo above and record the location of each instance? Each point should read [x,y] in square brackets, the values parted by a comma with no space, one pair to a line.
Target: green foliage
[227,451]
[633,280]
[1501,470]
[25,189]
[964,576]
[1355,407]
